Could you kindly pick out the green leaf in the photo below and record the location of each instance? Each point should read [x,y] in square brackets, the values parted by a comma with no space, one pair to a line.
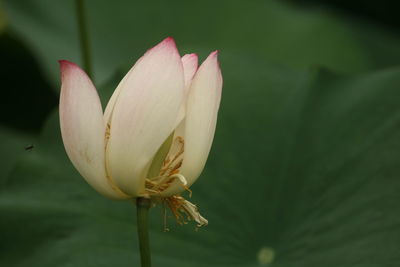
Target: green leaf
[304,171]
[272,30]
[13,145]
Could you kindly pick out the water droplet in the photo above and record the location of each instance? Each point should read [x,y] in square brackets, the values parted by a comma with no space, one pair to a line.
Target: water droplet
[266,255]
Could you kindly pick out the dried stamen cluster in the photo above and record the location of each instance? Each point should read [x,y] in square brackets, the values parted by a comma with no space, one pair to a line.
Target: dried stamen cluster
[182,209]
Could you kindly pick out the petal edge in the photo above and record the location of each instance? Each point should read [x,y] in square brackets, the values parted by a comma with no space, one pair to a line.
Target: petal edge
[82,127]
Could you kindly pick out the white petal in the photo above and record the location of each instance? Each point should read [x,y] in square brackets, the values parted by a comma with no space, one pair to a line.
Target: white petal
[145,115]
[82,127]
[190,65]
[113,99]
[200,121]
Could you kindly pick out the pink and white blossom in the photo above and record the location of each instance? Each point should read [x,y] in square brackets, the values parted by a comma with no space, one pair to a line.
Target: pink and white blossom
[163,97]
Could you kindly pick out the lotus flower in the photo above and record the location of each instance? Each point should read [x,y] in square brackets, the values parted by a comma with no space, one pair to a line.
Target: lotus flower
[155,134]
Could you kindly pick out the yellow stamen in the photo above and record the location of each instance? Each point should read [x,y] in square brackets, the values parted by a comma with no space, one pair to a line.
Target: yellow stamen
[182,209]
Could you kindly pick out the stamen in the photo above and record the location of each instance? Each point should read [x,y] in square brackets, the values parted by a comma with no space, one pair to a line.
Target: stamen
[108,130]
[161,183]
[180,144]
[193,211]
[181,178]
[180,207]
[188,189]
[183,181]
[152,191]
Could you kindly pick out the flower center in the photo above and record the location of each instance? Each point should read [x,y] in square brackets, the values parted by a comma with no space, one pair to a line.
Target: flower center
[169,170]
[182,209]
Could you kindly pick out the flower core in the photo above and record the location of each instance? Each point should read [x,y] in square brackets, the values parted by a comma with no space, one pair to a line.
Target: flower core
[182,209]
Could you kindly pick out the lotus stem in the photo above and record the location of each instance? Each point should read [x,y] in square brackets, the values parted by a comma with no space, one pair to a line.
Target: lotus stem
[143,205]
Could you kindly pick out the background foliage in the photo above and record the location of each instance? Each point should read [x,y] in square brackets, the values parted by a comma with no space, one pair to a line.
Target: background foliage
[305,167]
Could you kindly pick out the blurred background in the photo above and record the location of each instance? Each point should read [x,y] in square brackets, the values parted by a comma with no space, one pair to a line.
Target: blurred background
[305,165]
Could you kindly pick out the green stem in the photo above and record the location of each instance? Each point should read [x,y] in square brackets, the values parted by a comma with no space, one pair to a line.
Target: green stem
[143,205]
[84,37]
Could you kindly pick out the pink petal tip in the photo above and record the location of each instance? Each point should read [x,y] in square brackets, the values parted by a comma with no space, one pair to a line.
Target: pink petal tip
[168,42]
[214,53]
[67,66]
[192,55]
[64,62]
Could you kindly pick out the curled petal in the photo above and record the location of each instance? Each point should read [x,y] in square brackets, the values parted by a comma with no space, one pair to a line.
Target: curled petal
[190,65]
[144,115]
[82,127]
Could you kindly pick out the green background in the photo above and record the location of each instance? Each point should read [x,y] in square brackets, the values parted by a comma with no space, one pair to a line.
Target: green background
[305,166]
